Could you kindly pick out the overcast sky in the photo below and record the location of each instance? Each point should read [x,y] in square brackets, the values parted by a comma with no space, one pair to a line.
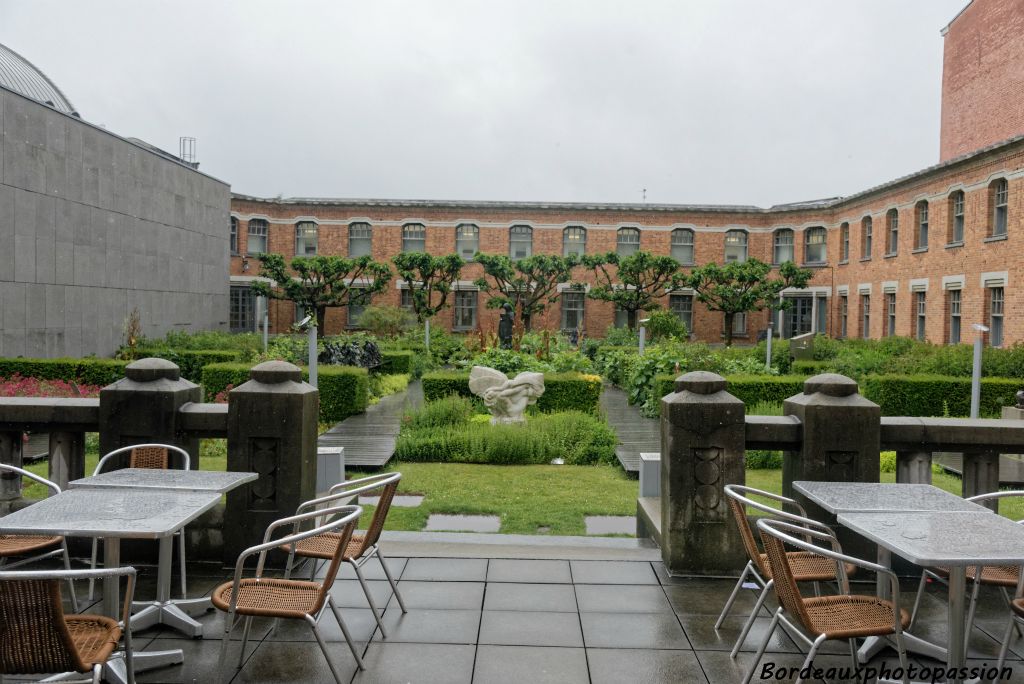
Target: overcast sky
[711,101]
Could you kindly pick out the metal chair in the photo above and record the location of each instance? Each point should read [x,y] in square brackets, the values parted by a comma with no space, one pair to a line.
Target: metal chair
[806,567]
[1003,576]
[37,637]
[844,617]
[153,457]
[1016,620]
[362,547]
[14,545]
[260,596]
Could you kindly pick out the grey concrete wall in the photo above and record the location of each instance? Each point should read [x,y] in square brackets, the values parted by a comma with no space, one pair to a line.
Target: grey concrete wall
[93,226]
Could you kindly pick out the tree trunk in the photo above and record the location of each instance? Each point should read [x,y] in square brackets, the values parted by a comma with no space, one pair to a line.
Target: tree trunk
[729,316]
[321,318]
[526,321]
[631,318]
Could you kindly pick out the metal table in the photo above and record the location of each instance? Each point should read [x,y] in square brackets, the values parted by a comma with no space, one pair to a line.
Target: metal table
[951,539]
[117,513]
[181,480]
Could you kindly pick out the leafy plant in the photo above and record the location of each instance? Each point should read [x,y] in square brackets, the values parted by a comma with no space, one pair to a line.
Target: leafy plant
[364,354]
[528,284]
[430,280]
[665,325]
[633,283]
[386,321]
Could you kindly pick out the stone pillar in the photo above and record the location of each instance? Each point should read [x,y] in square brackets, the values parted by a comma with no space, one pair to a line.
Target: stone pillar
[143,407]
[272,430]
[914,467]
[67,457]
[10,454]
[703,433]
[981,475]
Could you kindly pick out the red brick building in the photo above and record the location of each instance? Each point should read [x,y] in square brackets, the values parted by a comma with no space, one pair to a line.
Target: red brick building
[926,255]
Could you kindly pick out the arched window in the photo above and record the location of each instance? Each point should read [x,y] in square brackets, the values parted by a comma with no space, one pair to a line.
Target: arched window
[999,201]
[414,237]
[360,239]
[257,242]
[305,238]
[921,225]
[815,245]
[955,232]
[520,242]
[844,242]
[892,234]
[865,237]
[783,246]
[627,242]
[682,245]
[574,241]
[735,245]
[467,240]
[233,244]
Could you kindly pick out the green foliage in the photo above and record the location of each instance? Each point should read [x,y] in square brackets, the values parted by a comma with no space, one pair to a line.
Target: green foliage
[191,361]
[508,361]
[752,390]
[619,337]
[430,280]
[562,391]
[219,377]
[665,325]
[450,410]
[528,284]
[765,408]
[87,371]
[887,462]
[449,435]
[247,343]
[386,321]
[757,459]
[571,361]
[394,362]
[810,367]
[936,395]
[633,283]
[440,384]
[381,384]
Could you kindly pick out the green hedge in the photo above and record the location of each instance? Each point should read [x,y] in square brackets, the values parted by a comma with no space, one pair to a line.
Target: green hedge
[344,390]
[810,367]
[936,395]
[395,362]
[191,361]
[750,389]
[87,371]
[562,391]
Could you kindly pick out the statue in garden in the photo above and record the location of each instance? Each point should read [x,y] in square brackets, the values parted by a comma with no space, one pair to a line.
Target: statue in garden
[506,399]
[506,323]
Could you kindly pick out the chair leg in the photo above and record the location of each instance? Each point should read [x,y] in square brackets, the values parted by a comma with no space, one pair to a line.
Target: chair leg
[369,599]
[917,600]
[733,595]
[809,660]
[854,661]
[1005,646]
[181,560]
[764,645]
[323,647]
[92,566]
[344,631]
[750,620]
[71,584]
[97,669]
[972,607]
[901,649]
[391,580]
[245,640]
[1009,601]
[229,625]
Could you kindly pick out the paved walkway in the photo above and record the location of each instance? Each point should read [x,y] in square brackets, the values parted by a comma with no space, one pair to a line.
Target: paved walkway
[636,433]
[369,438]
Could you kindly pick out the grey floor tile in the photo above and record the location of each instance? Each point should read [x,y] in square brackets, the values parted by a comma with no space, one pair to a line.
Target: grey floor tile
[719,668]
[612,572]
[359,621]
[432,626]
[371,569]
[446,569]
[620,598]
[633,630]
[700,596]
[440,595]
[616,665]
[213,628]
[201,659]
[349,594]
[511,628]
[396,663]
[700,629]
[289,661]
[557,598]
[529,571]
[535,664]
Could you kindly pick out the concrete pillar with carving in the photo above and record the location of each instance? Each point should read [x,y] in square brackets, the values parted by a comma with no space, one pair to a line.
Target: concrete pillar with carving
[703,433]
[272,431]
[11,444]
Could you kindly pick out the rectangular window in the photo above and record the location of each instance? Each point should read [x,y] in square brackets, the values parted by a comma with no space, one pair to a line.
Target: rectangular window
[682,306]
[1002,194]
[953,297]
[783,246]
[844,312]
[739,324]
[467,240]
[815,245]
[866,227]
[922,225]
[242,313]
[305,239]
[572,309]
[995,316]
[574,241]
[621,318]
[893,239]
[682,245]
[844,232]
[921,309]
[865,316]
[257,243]
[358,300]
[234,235]
[890,314]
[821,324]
[465,310]
[628,241]
[405,300]
[414,237]
[360,240]
[520,242]
[957,212]
[735,246]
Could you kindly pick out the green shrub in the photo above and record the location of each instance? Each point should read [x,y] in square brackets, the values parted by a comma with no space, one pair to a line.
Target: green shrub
[191,361]
[663,324]
[249,343]
[87,371]
[562,391]
[508,361]
[810,367]
[450,410]
[620,337]
[382,385]
[757,459]
[394,362]
[887,462]
[386,321]
[936,395]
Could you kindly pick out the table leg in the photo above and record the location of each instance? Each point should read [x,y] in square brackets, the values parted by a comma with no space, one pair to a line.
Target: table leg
[957,654]
[178,614]
[112,585]
[115,670]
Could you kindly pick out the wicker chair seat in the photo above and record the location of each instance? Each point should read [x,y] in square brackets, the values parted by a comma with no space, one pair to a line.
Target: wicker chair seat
[94,636]
[845,617]
[268,597]
[809,567]
[323,546]
[1017,606]
[24,544]
[994,575]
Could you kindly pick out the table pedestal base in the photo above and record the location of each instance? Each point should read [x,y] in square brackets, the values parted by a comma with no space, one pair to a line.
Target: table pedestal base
[177,614]
[115,671]
[874,645]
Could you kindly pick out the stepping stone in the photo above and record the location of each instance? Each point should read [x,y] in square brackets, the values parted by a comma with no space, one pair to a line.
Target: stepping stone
[463,523]
[610,524]
[399,500]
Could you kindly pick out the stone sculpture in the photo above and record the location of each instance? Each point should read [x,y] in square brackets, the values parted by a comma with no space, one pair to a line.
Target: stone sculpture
[506,399]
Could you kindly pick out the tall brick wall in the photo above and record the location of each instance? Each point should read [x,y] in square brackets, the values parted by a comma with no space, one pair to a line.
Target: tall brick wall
[983,77]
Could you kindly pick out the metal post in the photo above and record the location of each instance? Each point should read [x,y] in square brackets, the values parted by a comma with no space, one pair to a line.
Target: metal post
[643,336]
[426,334]
[979,341]
[768,353]
[266,322]
[311,333]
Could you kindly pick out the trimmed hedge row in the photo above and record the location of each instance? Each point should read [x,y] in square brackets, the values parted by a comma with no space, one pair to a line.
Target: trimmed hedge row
[344,390]
[749,388]
[562,391]
[87,371]
[395,362]
[191,361]
[810,368]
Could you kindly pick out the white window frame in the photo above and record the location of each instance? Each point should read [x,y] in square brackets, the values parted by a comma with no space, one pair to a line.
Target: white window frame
[736,244]
[780,246]
[520,230]
[819,253]
[306,232]
[682,247]
[414,237]
[574,240]
[627,241]
[360,234]
[258,230]
[467,235]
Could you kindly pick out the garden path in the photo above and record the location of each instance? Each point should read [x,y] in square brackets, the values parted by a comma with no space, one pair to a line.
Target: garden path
[636,433]
[369,438]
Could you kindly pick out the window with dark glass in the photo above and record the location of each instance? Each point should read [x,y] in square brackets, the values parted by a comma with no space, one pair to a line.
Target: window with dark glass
[865,316]
[360,239]
[358,300]
[921,235]
[520,242]
[405,299]
[465,310]
[627,241]
[242,309]
[414,237]
[682,306]
[844,242]
[892,239]
[783,246]
[921,311]
[956,217]
[844,313]
[815,245]
[682,245]
[257,242]
[735,245]
[1000,204]
[865,237]
[574,241]
[467,240]
[305,238]
[572,309]
[953,296]
[233,244]
[995,316]
[890,313]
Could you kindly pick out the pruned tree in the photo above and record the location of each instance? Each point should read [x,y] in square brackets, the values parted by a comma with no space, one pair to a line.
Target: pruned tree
[633,283]
[744,286]
[528,284]
[430,280]
[320,282]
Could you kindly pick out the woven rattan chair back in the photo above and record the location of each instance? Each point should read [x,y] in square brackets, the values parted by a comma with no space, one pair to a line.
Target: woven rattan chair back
[785,585]
[336,560]
[34,638]
[152,458]
[747,535]
[380,514]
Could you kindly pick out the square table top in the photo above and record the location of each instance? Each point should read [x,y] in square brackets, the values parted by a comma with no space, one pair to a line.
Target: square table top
[944,538]
[866,497]
[181,480]
[111,512]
